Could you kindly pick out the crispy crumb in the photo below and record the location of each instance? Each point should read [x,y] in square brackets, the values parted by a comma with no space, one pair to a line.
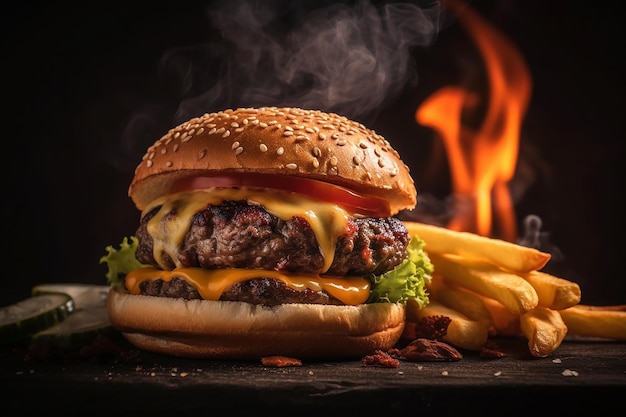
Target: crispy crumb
[280,361]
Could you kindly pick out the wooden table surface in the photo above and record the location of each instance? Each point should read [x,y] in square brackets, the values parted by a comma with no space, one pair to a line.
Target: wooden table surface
[581,375]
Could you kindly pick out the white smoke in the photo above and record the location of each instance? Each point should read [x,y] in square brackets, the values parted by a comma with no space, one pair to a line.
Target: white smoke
[347,58]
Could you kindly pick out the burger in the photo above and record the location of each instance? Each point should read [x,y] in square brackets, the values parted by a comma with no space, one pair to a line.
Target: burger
[268,232]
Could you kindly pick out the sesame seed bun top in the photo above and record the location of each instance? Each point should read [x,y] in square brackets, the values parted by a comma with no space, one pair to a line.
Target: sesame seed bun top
[283,141]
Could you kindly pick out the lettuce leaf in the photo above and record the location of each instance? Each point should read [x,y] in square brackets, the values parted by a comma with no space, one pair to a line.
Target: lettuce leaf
[407,281]
[121,261]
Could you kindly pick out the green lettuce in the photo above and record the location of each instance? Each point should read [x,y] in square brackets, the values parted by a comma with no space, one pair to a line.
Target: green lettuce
[121,261]
[407,281]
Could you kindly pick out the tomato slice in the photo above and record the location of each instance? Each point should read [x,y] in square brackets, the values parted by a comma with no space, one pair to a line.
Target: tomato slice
[350,200]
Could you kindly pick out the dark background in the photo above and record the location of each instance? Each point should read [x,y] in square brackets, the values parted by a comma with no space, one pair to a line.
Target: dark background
[83,98]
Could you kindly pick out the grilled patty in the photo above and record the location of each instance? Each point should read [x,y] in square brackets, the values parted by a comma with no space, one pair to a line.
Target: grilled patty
[236,234]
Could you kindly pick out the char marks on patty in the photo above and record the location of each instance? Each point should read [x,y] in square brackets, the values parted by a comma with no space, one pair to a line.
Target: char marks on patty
[236,234]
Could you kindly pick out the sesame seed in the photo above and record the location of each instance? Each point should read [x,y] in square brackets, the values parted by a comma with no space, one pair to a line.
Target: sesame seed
[239,129]
[212,131]
[381,163]
[235,145]
[333,160]
[200,131]
[280,150]
[226,134]
[169,163]
[163,151]
[175,147]
[263,124]
[291,166]
[263,147]
[335,136]
[341,142]
[239,150]
[316,163]
[355,160]
[321,136]
[288,128]
[202,154]
[234,124]
[149,163]
[288,133]
[309,130]
[317,152]
[220,130]
[362,145]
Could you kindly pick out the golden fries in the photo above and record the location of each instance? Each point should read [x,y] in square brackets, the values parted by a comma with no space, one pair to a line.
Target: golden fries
[608,322]
[554,292]
[505,254]
[511,290]
[544,329]
[480,282]
[504,322]
[462,332]
[462,301]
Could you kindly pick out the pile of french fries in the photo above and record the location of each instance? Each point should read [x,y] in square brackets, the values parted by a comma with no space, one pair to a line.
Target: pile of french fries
[490,287]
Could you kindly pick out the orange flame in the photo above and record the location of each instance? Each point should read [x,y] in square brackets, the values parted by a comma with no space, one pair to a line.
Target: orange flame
[483,159]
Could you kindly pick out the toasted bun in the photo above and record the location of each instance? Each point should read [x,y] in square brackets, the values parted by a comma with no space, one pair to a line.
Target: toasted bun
[237,330]
[284,141]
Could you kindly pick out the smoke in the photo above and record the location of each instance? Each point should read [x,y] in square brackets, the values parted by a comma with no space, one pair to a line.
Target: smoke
[346,58]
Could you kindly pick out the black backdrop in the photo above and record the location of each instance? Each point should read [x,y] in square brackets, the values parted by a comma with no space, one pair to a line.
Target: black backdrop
[75,76]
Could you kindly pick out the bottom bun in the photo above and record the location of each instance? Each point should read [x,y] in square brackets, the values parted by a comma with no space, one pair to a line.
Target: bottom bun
[238,330]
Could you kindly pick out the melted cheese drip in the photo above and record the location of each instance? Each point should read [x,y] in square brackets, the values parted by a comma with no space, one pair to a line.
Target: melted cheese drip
[328,221]
[212,283]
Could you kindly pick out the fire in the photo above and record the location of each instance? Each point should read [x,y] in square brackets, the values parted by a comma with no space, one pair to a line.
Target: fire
[483,158]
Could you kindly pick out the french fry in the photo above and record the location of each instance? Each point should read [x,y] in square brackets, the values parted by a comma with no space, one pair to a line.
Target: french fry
[462,332]
[544,329]
[507,255]
[510,289]
[504,322]
[554,292]
[608,322]
[462,301]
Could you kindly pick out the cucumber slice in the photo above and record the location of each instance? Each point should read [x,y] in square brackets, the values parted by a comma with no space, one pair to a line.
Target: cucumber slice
[22,319]
[84,295]
[88,320]
[79,329]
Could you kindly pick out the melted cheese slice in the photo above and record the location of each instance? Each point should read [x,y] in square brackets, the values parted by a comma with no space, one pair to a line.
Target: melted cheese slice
[212,283]
[170,225]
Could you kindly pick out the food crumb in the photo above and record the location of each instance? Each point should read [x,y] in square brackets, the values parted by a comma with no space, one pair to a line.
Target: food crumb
[444,373]
[557,360]
[311,373]
[183,374]
[569,372]
[498,373]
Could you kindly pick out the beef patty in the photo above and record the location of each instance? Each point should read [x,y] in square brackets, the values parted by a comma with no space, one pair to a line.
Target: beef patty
[236,234]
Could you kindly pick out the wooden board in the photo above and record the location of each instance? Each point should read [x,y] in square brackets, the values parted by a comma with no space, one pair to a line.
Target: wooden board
[580,375]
